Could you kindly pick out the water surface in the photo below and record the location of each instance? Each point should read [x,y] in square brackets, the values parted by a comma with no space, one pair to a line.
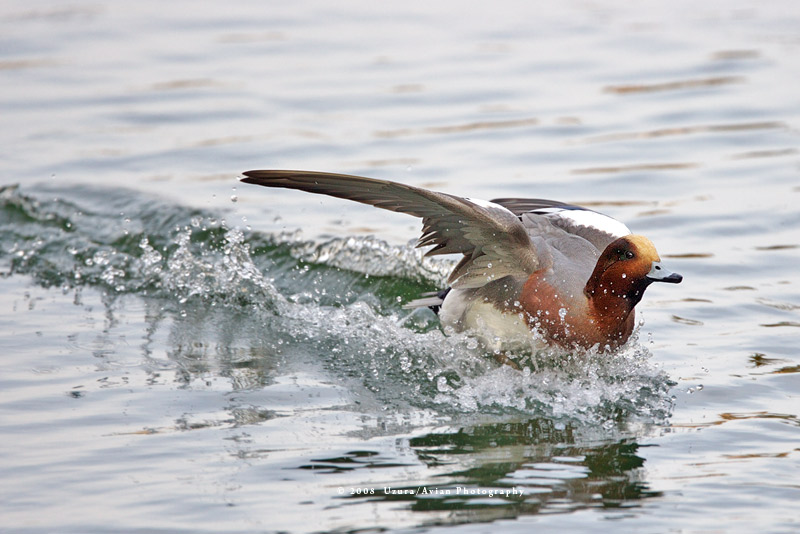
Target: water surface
[186,353]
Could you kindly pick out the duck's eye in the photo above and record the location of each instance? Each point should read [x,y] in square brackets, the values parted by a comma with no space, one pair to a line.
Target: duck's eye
[629,255]
[625,255]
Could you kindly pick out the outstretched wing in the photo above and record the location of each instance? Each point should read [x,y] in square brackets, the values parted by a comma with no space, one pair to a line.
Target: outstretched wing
[492,239]
[598,229]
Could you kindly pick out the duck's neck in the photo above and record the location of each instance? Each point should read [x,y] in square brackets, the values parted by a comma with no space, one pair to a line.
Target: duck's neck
[611,308]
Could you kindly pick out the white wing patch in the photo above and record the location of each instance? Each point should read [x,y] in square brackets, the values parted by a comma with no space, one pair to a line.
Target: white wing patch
[588,219]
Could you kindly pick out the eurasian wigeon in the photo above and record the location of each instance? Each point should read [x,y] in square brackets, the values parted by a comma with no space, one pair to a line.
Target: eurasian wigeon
[533,271]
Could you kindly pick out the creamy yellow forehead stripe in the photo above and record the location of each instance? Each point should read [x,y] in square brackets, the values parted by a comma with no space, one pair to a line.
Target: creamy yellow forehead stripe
[644,247]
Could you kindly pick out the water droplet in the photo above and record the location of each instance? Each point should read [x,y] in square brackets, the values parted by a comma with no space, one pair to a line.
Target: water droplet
[234,198]
[442,385]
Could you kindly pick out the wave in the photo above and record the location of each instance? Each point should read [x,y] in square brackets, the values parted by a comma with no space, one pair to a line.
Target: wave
[339,300]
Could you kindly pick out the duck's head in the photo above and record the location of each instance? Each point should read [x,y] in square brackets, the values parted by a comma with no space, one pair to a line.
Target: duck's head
[625,269]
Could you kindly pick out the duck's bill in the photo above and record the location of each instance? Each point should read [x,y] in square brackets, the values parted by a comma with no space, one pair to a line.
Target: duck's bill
[658,273]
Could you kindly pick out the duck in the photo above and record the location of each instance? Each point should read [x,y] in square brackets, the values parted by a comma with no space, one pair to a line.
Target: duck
[533,273]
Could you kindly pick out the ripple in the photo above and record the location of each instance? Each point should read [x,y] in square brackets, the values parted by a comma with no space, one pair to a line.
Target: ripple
[697,129]
[672,166]
[458,128]
[674,85]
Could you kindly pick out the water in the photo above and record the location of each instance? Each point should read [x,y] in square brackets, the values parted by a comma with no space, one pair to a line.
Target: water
[186,353]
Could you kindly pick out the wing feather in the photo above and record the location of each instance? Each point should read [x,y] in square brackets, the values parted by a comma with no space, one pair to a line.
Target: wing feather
[492,239]
[595,227]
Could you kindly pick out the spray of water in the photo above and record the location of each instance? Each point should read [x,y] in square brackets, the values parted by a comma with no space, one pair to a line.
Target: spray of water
[340,301]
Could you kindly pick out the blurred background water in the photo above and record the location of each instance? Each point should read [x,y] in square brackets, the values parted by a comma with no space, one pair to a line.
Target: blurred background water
[185,353]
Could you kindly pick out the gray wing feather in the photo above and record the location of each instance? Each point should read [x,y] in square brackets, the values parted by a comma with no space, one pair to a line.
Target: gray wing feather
[599,229]
[518,206]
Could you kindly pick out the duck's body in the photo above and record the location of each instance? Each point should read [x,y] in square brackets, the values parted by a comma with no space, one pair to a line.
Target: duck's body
[531,269]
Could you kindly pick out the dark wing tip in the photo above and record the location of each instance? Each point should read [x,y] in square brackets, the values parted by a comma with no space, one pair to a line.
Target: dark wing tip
[252,177]
[266,177]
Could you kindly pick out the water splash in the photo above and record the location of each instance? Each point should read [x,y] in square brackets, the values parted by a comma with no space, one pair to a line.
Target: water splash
[422,369]
[583,385]
[340,301]
[375,257]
